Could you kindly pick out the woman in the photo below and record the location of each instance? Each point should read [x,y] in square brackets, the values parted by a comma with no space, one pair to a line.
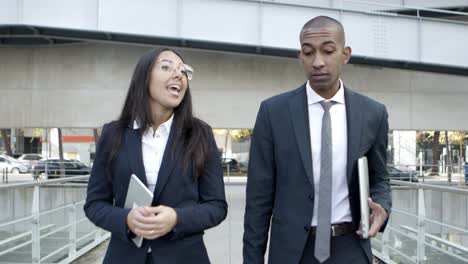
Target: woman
[173,153]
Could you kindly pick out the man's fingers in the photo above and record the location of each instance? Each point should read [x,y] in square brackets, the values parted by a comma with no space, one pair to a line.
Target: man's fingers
[376,222]
[359,231]
[372,205]
[373,230]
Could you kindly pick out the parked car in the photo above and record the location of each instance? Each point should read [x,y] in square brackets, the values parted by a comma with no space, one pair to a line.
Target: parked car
[13,165]
[397,174]
[31,158]
[47,169]
[232,163]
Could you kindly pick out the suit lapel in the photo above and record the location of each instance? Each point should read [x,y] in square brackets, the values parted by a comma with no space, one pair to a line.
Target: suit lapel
[168,162]
[135,154]
[354,125]
[300,121]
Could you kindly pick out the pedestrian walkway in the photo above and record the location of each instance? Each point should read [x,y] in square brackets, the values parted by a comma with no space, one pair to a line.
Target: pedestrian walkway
[224,242]
[95,256]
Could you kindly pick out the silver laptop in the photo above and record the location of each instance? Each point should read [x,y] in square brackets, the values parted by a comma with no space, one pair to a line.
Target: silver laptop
[138,195]
[363,170]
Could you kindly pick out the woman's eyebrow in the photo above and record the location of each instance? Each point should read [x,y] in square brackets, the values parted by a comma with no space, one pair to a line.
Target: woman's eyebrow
[167,60]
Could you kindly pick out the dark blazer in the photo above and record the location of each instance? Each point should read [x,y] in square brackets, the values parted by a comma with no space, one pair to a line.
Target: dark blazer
[199,203]
[280,186]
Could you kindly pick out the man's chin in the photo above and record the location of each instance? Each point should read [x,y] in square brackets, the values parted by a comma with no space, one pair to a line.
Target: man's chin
[321,85]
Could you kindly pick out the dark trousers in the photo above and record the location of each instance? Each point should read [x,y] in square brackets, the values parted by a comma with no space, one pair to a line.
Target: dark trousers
[149,259]
[343,249]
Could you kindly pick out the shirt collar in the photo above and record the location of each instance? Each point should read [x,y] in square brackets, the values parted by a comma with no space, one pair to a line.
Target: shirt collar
[313,97]
[166,125]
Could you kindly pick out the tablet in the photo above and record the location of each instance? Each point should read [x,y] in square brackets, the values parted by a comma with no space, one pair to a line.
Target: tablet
[363,170]
[138,195]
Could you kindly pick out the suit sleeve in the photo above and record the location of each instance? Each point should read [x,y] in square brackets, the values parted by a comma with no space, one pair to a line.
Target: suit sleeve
[212,207]
[260,189]
[379,181]
[99,206]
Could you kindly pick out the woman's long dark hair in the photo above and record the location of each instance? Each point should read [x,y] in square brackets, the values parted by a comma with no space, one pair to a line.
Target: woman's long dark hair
[192,134]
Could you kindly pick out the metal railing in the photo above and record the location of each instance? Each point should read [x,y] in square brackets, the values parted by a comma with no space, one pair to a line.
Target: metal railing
[58,234]
[357,5]
[430,228]
[454,174]
[417,9]
[428,224]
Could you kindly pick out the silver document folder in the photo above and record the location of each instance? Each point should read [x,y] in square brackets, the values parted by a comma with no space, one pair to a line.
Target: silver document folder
[138,195]
[363,170]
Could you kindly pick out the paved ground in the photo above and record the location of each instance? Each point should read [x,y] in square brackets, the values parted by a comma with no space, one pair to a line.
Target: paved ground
[94,256]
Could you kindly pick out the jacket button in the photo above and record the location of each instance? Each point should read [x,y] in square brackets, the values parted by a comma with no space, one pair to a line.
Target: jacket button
[311,197]
[306,228]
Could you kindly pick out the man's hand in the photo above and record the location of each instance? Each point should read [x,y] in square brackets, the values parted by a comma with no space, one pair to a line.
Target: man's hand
[377,218]
[152,222]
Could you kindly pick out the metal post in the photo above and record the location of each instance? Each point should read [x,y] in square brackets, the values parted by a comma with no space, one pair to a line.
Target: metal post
[36,235]
[385,241]
[5,175]
[72,232]
[421,253]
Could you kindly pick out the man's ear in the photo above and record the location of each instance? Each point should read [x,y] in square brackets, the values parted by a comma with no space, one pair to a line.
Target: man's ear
[346,54]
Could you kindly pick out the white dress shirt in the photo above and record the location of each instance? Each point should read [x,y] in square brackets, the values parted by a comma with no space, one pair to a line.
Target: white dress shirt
[153,146]
[341,211]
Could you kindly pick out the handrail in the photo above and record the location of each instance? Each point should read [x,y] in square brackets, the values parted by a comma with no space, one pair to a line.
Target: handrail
[22,235]
[447,249]
[42,183]
[447,226]
[73,229]
[426,186]
[438,239]
[403,212]
[14,221]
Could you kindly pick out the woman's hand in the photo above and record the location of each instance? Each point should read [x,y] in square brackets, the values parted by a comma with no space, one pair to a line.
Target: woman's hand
[152,222]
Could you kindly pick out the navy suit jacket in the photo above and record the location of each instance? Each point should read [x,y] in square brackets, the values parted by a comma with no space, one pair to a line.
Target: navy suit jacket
[199,203]
[280,185]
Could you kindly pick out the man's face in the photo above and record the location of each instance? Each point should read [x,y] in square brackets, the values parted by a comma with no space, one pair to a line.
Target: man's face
[322,54]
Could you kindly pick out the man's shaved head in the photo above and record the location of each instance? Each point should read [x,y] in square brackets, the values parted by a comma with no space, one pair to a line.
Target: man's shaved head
[322,54]
[323,22]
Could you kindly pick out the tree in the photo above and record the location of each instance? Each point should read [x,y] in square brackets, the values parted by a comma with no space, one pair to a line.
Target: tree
[6,142]
[436,151]
[449,158]
[60,141]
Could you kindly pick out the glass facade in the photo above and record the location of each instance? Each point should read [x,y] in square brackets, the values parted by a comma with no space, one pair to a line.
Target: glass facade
[423,152]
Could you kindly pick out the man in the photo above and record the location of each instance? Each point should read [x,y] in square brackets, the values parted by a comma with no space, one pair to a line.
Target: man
[303,162]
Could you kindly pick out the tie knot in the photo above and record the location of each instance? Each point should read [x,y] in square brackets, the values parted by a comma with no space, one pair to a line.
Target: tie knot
[326,105]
